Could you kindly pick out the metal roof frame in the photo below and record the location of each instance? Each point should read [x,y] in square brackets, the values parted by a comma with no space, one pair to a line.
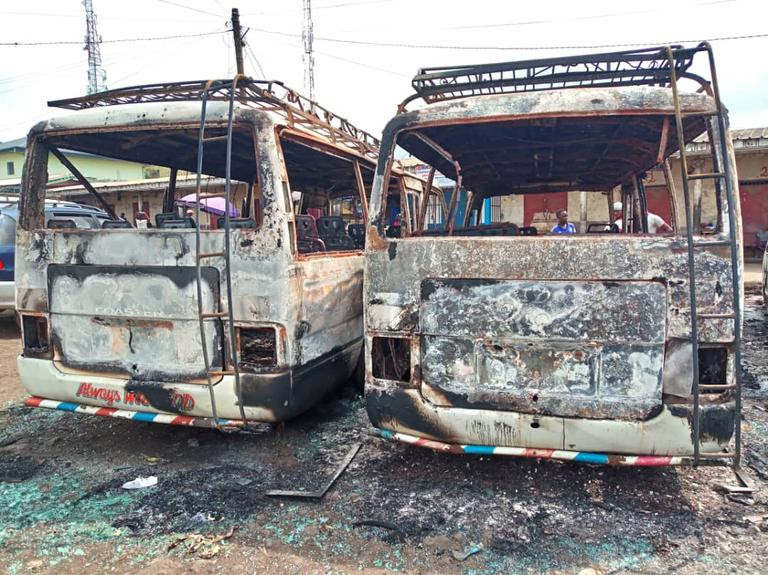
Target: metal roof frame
[265,95]
[649,67]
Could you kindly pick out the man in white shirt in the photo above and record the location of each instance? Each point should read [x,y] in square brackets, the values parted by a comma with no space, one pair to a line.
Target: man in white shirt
[656,224]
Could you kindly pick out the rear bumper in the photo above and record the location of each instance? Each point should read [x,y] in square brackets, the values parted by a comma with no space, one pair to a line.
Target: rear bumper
[558,454]
[7,295]
[44,381]
[145,416]
[667,434]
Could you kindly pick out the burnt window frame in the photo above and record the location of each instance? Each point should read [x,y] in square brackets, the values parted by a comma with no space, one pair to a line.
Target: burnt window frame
[358,164]
[635,179]
[41,147]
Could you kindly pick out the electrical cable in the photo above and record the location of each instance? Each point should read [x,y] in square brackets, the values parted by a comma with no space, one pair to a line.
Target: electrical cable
[191,8]
[115,41]
[256,60]
[362,64]
[564,47]
[586,17]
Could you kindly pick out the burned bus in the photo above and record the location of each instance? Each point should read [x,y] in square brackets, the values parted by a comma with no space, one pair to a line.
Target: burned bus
[488,332]
[181,317]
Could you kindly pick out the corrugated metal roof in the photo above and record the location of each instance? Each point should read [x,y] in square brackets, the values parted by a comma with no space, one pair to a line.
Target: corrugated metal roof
[18,143]
[740,135]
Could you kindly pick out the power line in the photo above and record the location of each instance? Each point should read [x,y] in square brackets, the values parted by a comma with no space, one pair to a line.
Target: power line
[179,5]
[318,7]
[582,18]
[573,47]
[116,41]
[363,65]
[256,60]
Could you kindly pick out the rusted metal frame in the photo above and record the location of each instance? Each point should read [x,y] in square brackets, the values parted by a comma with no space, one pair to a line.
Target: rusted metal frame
[427,193]
[627,215]
[405,208]
[333,150]
[731,198]
[170,192]
[34,180]
[611,217]
[454,201]
[82,179]
[472,197]
[248,205]
[361,189]
[691,265]
[672,193]
[198,252]
[457,188]
[323,145]
[319,493]
[443,83]
[697,193]
[527,144]
[289,207]
[663,140]
[345,131]
[636,165]
[642,202]
[253,93]
[228,250]
[639,68]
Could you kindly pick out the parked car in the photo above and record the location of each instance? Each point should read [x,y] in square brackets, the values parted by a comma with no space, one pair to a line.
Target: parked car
[59,214]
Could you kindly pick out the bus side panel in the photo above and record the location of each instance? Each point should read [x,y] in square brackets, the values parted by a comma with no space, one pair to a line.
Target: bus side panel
[331,317]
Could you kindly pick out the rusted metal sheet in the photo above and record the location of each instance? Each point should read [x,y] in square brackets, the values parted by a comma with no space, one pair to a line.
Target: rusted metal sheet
[137,321]
[590,349]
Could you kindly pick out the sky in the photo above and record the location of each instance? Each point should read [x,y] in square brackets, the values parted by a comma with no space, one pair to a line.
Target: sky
[366,51]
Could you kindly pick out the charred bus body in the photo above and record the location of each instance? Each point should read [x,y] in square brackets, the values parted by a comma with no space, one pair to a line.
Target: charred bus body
[620,346]
[145,323]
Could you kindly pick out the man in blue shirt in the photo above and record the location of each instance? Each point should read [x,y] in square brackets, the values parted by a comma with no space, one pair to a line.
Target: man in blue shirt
[563,225]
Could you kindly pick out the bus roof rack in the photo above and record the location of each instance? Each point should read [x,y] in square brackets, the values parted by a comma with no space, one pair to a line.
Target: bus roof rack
[649,66]
[267,95]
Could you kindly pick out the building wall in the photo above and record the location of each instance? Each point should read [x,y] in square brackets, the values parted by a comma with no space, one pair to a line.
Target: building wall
[751,166]
[17,158]
[94,168]
[105,169]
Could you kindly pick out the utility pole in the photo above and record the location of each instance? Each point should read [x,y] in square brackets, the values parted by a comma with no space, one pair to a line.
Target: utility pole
[97,76]
[309,58]
[238,40]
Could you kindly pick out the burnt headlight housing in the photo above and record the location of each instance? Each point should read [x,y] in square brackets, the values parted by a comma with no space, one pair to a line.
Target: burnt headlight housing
[257,347]
[35,336]
[391,358]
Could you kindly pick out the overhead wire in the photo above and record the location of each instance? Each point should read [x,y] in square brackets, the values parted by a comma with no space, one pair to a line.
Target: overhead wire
[187,7]
[464,47]
[584,17]
[116,40]
[362,64]
[252,54]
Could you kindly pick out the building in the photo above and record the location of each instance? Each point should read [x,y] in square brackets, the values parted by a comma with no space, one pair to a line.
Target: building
[130,187]
[96,168]
[126,198]
[751,150]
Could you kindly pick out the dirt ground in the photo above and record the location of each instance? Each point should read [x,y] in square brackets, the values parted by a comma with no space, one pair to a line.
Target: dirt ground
[62,508]
[10,347]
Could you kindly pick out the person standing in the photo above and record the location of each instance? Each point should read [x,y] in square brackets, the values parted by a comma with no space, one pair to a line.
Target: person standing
[656,224]
[563,225]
